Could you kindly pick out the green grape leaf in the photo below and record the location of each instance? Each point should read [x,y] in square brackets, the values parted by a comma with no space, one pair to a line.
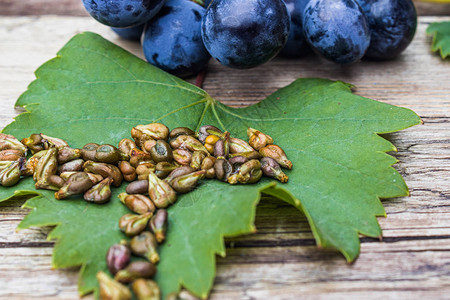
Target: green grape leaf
[441,37]
[94,91]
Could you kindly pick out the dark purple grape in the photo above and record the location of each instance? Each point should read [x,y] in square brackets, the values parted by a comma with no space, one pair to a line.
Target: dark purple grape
[172,40]
[392,24]
[123,13]
[296,46]
[131,33]
[245,34]
[337,29]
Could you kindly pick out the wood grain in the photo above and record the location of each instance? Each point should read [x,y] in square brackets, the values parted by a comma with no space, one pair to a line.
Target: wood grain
[42,7]
[75,8]
[280,261]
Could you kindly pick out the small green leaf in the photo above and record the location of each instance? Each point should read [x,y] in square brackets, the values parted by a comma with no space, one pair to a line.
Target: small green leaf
[94,91]
[441,37]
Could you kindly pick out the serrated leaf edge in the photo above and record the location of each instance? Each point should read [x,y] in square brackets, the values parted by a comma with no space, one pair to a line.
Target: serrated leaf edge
[434,46]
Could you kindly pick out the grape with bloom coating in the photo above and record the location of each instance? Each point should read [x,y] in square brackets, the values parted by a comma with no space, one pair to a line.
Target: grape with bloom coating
[245,34]
[123,13]
[131,33]
[172,40]
[392,25]
[337,29]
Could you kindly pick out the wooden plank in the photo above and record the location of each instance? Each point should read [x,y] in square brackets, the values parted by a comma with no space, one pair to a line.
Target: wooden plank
[42,7]
[432,9]
[268,273]
[280,261]
[75,8]
[26,273]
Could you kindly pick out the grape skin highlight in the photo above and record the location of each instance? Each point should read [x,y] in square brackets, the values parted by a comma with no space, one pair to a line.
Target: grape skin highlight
[337,29]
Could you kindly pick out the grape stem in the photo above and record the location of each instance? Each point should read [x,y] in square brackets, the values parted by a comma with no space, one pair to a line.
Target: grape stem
[200,78]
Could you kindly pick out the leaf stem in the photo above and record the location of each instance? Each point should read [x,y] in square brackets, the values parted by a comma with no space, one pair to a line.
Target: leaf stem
[201,78]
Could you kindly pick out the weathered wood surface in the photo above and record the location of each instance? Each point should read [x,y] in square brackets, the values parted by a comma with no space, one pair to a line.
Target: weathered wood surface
[280,261]
[75,8]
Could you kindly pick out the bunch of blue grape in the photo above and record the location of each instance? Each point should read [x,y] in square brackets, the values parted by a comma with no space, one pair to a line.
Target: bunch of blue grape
[180,36]
[170,31]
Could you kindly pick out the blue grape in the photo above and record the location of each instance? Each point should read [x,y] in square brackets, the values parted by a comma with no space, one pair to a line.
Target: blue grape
[172,40]
[392,24]
[337,29]
[131,33]
[296,46]
[123,13]
[245,34]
